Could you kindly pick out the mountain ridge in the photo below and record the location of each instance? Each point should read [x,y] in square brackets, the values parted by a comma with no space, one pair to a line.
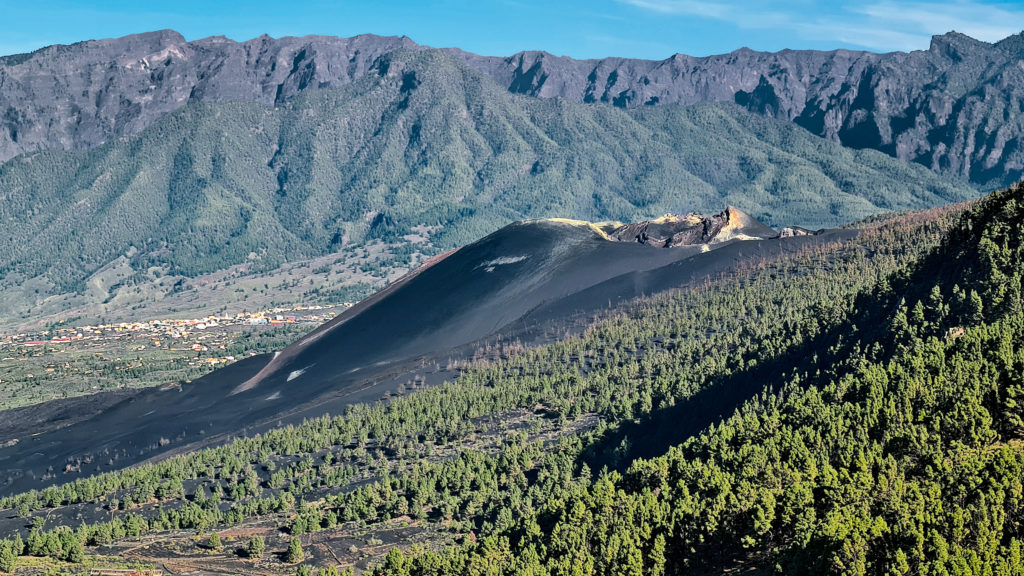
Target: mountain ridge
[420,140]
[953,107]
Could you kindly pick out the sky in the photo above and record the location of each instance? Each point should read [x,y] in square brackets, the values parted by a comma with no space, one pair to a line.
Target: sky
[652,29]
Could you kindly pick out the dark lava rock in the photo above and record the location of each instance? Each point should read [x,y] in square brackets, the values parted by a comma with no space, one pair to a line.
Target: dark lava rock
[690,229]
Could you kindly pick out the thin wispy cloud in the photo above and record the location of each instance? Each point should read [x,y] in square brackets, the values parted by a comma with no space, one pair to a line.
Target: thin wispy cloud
[614,43]
[884,25]
[863,35]
[736,13]
[988,22]
[715,10]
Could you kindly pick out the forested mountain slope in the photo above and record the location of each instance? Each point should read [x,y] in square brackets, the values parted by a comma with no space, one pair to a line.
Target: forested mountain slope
[420,139]
[899,448]
[854,409]
[954,107]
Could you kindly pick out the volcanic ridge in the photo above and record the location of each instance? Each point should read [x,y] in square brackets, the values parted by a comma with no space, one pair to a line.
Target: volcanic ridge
[522,283]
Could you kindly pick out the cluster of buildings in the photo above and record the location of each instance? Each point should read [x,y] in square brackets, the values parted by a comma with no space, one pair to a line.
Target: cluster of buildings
[170,332]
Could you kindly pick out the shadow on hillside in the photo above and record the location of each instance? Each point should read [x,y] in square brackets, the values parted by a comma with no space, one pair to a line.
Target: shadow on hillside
[653,434]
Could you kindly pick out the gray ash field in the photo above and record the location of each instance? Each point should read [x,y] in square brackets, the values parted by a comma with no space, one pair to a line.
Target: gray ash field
[526,279]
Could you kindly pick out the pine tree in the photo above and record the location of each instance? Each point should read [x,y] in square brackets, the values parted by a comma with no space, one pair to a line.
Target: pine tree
[294,553]
[72,547]
[255,547]
[657,556]
[215,543]
[34,546]
[8,556]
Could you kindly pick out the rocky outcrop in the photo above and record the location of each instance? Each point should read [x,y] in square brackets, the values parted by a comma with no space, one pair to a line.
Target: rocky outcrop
[690,229]
[956,107]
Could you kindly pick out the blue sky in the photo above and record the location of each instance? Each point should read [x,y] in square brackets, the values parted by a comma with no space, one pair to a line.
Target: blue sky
[578,28]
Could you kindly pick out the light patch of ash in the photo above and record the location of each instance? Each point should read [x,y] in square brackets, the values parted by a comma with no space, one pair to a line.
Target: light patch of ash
[490,265]
[296,373]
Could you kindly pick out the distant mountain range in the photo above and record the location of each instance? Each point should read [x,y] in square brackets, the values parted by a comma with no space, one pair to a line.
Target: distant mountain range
[418,139]
[955,107]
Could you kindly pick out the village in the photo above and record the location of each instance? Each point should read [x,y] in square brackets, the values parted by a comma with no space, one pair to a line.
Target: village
[170,333]
[71,361]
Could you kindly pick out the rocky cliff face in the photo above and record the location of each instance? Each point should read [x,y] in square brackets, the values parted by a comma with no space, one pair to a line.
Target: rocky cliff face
[79,96]
[956,107]
[690,229]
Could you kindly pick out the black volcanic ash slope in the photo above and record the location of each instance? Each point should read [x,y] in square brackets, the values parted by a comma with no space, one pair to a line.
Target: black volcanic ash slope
[509,282]
[487,286]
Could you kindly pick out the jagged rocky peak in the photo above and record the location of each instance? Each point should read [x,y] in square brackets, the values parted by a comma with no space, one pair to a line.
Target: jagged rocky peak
[689,229]
[955,45]
[1012,45]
